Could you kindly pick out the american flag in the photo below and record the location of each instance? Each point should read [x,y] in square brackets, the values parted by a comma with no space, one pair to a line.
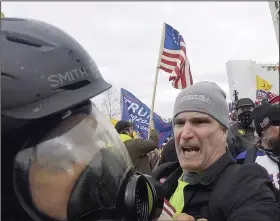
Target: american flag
[174,59]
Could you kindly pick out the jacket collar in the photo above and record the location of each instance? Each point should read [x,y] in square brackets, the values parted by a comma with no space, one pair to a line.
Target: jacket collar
[207,177]
[125,137]
[211,174]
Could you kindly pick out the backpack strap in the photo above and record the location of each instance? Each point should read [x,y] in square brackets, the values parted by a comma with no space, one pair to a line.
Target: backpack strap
[251,155]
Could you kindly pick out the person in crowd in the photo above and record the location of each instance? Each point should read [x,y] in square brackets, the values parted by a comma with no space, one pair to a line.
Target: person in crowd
[62,159]
[154,158]
[138,149]
[233,117]
[168,153]
[207,182]
[241,133]
[266,152]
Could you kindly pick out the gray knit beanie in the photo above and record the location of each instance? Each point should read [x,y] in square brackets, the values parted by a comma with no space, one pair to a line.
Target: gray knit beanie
[204,97]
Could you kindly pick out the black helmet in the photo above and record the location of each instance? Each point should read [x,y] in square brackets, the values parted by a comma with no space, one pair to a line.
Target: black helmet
[244,102]
[43,70]
[69,161]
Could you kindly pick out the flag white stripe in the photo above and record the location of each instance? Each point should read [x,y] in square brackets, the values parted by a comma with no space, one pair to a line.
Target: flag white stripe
[168,58]
[170,67]
[180,52]
[168,208]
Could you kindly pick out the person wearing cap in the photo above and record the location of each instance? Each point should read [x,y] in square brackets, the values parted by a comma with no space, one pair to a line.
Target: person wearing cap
[241,133]
[267,151]
[138,149]
[207,182]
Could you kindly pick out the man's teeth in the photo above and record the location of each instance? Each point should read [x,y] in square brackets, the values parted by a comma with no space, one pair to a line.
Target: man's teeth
[191,153]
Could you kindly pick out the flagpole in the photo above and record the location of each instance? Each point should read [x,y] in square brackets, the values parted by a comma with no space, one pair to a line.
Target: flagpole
[151,123]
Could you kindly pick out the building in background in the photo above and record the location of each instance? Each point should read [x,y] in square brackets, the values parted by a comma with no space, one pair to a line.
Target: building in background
[242,75]
[274,10]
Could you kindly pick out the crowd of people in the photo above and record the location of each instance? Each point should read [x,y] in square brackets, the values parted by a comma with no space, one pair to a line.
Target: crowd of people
[212,146]
[64,161]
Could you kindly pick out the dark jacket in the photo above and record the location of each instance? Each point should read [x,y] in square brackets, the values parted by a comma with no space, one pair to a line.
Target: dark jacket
[256,154]
[226,191]
[168,153]
[240,138]
[138,150]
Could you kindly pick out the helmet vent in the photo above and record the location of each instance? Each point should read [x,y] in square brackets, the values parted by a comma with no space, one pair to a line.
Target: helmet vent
[75,86]
[22,41]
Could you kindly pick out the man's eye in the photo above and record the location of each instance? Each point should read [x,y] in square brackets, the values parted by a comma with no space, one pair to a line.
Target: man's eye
[200,121]
[179,123]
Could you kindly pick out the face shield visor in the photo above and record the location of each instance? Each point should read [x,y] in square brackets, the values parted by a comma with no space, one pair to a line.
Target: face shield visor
[80,170]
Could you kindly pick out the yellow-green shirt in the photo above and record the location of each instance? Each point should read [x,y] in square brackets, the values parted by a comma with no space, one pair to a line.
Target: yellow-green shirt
[177,199]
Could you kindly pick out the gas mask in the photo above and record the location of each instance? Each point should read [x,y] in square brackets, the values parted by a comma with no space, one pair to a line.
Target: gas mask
[245,118]
[81,170]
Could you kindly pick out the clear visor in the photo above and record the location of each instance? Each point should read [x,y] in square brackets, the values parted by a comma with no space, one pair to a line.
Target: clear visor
[80,164]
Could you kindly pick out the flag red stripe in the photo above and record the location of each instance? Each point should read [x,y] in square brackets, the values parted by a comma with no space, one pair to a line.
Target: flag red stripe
[165,69]
[170,55]
[167,211]
[178,56]
[177,70]
[169,205]
[183,78]
[171,78]
[171,63]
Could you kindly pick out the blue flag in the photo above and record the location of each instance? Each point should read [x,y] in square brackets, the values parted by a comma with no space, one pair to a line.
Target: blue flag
[135,111]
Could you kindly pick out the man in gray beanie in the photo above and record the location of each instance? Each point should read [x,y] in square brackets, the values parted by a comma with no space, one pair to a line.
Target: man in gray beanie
[207,182]
[205,97]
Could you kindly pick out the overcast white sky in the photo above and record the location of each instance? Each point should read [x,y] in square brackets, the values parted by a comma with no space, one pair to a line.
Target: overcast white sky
[124,38]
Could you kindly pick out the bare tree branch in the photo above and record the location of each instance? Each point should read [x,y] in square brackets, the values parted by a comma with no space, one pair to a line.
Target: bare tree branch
[110,105]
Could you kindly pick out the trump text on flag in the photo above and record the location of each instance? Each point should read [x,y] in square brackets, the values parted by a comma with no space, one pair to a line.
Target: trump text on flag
[135,111]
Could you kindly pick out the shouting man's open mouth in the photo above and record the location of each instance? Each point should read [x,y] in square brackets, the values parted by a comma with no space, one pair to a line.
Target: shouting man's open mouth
[191,151]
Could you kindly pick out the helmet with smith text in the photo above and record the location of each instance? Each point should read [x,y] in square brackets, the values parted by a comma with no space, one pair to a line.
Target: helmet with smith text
[41,68]
[44,72]
[69,162]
